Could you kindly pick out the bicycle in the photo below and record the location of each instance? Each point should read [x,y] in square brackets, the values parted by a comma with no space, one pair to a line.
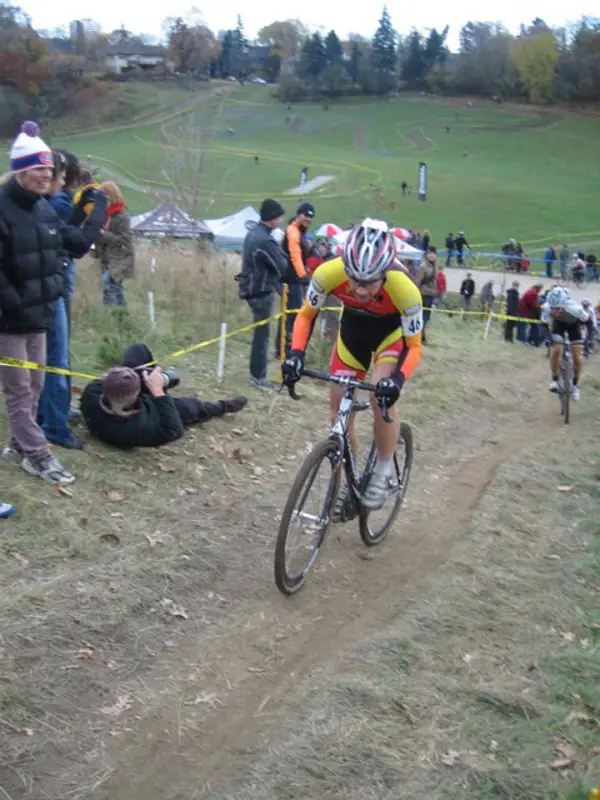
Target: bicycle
[566,380]
[335,453]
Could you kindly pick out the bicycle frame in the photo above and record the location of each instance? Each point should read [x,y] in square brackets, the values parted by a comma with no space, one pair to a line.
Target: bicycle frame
[339,429]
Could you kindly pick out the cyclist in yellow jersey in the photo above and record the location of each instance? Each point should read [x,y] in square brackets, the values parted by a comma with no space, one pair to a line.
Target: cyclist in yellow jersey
[382,319]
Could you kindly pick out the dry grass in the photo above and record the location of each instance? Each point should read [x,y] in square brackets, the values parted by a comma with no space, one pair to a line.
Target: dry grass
[490,676]
[90,650]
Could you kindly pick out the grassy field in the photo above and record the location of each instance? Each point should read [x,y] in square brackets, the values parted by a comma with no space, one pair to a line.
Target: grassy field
[146,653]
[500,171]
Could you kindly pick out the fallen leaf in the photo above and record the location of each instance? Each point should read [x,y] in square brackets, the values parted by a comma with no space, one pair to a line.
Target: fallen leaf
[116,515]
[237,432]
[450,758]
[566,750]
[567,636]
[85,653]
[28,731]
[174,609]
[62,490]
[115,496]
[110,538]
[157,538]
[257,471]
[562,763]
[123,704]
[24,562]
[565,488]
[165,467]
[578,716]
[467,658]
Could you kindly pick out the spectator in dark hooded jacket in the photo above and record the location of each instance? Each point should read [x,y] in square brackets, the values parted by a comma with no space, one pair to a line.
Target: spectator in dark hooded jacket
[512,310]
[264,264]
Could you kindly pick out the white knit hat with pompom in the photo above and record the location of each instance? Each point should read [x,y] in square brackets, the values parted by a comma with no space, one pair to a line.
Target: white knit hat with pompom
[29,150]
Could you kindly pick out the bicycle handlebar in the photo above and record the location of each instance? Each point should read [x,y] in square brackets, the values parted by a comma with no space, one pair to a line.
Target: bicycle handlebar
[350,383]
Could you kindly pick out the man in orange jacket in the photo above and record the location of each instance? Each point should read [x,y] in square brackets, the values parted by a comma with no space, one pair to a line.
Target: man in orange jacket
[297,249]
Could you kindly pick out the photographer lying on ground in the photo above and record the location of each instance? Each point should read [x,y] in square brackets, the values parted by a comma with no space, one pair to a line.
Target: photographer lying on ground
[130,406]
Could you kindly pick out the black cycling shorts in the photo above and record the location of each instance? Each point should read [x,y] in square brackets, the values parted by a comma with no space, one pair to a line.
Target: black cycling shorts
[572,329]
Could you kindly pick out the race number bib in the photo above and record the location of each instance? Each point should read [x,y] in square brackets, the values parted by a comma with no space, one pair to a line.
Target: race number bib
[412,322]
[315,296]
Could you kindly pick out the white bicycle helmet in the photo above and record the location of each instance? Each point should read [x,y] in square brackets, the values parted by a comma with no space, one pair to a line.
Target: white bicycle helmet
[369,251]
[557,297]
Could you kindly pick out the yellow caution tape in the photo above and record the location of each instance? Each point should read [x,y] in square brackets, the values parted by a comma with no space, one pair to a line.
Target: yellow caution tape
[16,362]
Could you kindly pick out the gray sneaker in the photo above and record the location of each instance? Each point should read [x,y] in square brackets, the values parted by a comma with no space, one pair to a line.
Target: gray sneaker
[264,384]
[11,452]
[48,468]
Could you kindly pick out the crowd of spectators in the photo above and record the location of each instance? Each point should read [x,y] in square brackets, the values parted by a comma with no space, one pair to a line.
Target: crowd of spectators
[53,212]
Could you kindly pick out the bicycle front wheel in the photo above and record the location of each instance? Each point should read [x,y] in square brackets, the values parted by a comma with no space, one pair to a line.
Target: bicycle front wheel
[375,525]
[307,515]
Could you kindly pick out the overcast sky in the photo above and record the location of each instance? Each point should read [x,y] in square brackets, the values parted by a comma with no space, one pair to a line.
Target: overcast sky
[147,17]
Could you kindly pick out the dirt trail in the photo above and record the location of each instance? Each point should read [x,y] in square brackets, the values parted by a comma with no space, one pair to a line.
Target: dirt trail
[262,662]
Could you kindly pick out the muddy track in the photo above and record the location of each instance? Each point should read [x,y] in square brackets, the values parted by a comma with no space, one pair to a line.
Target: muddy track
[263,664]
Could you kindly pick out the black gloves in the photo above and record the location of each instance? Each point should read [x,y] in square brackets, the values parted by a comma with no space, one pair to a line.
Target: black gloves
[388,389]
[292,367]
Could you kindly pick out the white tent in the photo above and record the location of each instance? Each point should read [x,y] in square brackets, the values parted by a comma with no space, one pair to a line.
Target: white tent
[230,232]
[407,251]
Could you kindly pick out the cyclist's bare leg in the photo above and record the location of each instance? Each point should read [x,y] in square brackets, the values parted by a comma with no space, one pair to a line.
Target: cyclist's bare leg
[386,433]
[577,349]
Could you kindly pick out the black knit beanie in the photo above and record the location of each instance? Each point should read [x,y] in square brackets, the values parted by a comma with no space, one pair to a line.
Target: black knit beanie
[270,210]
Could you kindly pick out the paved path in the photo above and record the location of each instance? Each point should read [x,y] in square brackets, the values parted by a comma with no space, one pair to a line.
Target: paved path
[310,186]
[503,280]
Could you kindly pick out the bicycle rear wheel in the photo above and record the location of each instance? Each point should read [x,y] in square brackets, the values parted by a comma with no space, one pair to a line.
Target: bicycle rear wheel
[302,529]
[565,389]
[375,525]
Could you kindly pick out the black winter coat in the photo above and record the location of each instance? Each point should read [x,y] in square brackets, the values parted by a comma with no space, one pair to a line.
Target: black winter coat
[33,266]
[264,264]
[512,303]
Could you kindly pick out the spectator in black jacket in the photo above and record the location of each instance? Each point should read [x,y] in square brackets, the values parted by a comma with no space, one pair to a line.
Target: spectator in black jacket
[467,290]
[264,264]
[512,310]
[460,243]
[131,406]
[33,266]
[449,248]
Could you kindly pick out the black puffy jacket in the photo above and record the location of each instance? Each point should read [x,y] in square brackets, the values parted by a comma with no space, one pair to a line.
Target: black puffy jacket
[263,264]
[33,241]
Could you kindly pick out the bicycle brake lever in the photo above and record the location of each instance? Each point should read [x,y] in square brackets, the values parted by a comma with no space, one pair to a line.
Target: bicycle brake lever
[385,411]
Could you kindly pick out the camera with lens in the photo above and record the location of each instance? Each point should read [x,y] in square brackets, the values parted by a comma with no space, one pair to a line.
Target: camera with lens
[170,378]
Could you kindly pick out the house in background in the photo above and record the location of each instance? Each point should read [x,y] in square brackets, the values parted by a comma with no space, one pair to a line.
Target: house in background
[130,53]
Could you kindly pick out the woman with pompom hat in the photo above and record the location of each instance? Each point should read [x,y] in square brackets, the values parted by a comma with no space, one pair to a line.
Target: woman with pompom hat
[33,241]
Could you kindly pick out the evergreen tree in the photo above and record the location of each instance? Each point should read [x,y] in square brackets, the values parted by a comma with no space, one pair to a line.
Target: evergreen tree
[383,53]
[413,69]
[226,56]
[317,56]
[355,61]
[333,48]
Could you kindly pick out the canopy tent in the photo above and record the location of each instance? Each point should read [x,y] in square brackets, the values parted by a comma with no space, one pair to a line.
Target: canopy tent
[407,251]
[168,220]
[230,232]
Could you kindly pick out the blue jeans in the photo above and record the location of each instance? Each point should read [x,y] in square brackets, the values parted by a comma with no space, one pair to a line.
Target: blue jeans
[294,302]
[55,399]
[112,292]
[262,308]
[549,270]
[521,331]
